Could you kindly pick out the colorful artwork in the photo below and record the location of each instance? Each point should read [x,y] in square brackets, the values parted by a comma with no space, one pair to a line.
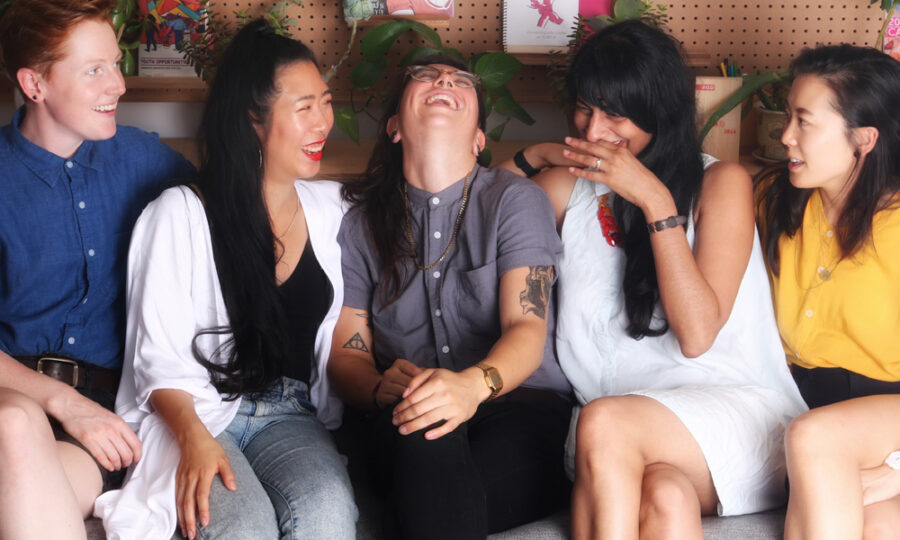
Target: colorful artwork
[171,23]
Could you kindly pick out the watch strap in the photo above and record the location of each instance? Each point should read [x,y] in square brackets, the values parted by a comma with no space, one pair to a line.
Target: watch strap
[522,163]
[668,223]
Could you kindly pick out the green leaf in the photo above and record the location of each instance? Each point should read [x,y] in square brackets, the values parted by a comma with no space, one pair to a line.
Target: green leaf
[473,61]
[427,33]
[378,40]
[508,106]
[751,84]
[497,68]
[886,5]
[347,122]
[367,72]
[417,53]
[496,133]
[484,158]
[628,9]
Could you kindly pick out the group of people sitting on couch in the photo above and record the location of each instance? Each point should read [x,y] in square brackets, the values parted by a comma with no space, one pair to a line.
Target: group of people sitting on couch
[635,330]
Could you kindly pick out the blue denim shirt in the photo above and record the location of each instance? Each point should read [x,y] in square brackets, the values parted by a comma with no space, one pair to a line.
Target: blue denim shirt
[65,225]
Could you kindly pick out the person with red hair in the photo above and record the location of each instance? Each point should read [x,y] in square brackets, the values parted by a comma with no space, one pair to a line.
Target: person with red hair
[72,184]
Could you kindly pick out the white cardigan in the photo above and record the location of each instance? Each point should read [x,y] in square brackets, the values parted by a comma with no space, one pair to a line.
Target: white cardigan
[172,293]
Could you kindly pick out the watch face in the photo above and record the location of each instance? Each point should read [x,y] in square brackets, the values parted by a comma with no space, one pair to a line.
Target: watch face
[893,461]
[494,377]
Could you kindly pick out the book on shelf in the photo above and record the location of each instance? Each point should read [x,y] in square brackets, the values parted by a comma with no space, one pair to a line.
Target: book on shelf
[387,9]
[891,44]
[543,26]
[170,22]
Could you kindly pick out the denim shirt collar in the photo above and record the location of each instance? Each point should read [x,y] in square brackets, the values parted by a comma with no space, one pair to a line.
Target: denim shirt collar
[45,164]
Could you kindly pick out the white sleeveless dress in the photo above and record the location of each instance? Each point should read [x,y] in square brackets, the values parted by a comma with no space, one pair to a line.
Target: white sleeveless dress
[736,399]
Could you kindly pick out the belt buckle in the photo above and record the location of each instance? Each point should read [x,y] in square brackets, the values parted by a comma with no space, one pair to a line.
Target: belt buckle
[40,366]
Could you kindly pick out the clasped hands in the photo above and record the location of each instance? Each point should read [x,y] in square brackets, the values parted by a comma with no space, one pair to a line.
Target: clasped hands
[429,396]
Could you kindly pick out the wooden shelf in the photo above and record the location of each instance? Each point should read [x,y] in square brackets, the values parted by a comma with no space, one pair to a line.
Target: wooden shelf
[343,159]
[181,89]
[692,59]
[433,22]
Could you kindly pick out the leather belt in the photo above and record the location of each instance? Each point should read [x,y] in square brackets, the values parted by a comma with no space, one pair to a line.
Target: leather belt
[76,373]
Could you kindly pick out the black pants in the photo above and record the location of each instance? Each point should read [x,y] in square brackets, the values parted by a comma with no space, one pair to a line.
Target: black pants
[824,386]
[501,469]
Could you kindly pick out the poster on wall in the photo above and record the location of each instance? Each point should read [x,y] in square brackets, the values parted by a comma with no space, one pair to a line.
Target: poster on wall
[380,9]
[171,23]
[892,35]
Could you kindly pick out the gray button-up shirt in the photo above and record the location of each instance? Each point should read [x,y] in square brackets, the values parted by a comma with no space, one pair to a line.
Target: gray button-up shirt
[448,316]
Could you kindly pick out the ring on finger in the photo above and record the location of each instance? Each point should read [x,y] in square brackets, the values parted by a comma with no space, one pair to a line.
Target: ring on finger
[597,163]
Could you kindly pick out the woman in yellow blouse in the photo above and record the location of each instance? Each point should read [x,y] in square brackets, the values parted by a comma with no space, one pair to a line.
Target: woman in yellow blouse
[833,245]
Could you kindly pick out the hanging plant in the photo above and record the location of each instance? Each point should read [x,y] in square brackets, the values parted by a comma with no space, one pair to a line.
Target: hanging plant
[128,24]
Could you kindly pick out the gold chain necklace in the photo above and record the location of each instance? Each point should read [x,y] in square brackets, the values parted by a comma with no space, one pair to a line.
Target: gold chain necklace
[291,224]
[409,238]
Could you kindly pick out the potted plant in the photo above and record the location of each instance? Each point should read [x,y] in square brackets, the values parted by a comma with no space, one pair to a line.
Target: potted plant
[129,24]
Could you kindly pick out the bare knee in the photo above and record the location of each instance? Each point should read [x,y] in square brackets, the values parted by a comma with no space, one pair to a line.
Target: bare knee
[812,434]
[601,426]
[668,501]
[22,423]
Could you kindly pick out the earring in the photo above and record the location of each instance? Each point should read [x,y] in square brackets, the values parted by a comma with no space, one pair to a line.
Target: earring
[34,97]
[260,157]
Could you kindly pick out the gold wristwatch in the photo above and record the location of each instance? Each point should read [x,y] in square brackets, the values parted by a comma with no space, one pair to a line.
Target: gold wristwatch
[492,379]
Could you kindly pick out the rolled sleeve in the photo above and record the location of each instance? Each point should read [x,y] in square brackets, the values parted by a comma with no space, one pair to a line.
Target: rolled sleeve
[355,258]
[526,231]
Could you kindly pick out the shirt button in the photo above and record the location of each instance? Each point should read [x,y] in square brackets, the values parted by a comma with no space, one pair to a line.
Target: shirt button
[81,205]
[824,273]
[71,341]
[809,313]
[829,234]
[437,234]
[69,164]
[437,313]
[435,200]
[445,349]
[91,252]
[84,301]
[436,274]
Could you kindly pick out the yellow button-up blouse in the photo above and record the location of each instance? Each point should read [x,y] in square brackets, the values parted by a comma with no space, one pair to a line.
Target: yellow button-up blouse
[844,313]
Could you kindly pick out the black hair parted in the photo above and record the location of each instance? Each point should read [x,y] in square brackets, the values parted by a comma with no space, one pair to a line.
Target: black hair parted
[379,192]
[866,87]
[230,181]
[634,70]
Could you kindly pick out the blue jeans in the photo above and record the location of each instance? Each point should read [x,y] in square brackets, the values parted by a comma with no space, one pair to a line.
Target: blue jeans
[277,447]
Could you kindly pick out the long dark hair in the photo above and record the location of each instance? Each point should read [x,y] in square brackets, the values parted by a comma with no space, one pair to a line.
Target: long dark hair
[636,71]
[379,192]
[866,86]
[230,181]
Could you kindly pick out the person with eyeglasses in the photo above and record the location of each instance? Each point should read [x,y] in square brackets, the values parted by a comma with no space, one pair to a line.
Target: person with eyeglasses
[448,270]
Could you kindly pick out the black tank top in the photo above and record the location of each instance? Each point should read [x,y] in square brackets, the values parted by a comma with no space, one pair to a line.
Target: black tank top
[305,298]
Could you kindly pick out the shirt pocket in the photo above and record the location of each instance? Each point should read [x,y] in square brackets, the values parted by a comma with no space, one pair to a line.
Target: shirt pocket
[476,295]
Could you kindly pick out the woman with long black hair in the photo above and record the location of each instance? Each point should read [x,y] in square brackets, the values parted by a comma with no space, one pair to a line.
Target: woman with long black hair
[666,328]
[234,287]
[448,268]
[832,235]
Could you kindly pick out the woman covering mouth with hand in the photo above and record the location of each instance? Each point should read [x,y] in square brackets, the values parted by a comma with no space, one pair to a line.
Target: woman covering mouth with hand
[448,269]
[234,289]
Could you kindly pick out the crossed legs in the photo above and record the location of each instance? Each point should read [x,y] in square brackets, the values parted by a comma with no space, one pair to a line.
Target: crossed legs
[47,487]
[834,455]
[638,473]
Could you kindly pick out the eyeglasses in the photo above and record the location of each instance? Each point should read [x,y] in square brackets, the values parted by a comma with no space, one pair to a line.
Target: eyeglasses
[462,79]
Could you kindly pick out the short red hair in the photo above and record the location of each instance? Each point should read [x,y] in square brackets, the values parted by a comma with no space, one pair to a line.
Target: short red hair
[32,31]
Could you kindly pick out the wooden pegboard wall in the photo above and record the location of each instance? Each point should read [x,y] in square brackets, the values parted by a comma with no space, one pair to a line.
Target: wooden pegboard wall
[760,36]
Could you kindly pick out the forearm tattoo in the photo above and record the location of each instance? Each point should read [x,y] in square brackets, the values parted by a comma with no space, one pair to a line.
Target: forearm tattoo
[536,296]
[356,343]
